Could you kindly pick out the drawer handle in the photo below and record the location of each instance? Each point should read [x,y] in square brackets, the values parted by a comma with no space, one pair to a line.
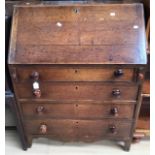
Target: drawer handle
[116,92]
[36,89]
[43,128]
[35,76]
[40,109]
[141,76]
[118,73]
[112,129]
[114,111]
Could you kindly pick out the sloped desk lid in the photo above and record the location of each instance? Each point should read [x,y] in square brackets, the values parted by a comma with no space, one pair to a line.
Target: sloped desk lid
[78,34]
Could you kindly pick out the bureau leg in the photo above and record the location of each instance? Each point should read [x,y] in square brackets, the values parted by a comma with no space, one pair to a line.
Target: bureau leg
[127,145]
[19,126]
[29,141]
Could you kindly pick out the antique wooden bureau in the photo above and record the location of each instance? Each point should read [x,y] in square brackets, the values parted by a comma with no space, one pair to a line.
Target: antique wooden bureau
[77,70]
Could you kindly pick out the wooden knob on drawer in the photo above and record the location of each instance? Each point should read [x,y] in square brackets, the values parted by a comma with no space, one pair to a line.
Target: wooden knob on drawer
[141,76]
[118,73]
[40,109]
[116,92]
[43,128]
[37,93]
[35,75]
[114,111]
[113,129]
[14,76]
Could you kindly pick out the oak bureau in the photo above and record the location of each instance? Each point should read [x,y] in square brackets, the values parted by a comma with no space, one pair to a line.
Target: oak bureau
[77,70]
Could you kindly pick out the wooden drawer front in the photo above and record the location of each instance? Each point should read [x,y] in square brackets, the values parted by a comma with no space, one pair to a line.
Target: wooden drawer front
[89,130]
[105,111]
[83,130]
[75,74]
[61,129]
[77,110]
[79,91]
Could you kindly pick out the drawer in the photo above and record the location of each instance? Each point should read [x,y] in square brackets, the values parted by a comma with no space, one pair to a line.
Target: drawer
[75,74]
[79,91]
[57,129]
[35,110]
[91,130]
[82,130]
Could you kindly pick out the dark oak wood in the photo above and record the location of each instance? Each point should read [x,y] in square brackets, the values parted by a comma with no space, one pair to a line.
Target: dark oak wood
[76,73]
[95,45]
[79,91]
[77,70]
[81,130]
[45,110]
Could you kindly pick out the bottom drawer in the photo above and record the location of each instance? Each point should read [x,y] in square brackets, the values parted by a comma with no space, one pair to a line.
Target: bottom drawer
[79,130]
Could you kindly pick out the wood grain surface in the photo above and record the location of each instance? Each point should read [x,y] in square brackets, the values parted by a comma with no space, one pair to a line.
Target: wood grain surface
[78,34]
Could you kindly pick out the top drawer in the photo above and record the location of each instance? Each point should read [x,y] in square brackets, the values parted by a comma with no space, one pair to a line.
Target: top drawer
[75,73]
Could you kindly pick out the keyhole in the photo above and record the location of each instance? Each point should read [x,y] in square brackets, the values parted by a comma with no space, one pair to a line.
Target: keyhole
[76,88]
[110,58]
[76,71]
[76,124]
[76,105]
[76,10]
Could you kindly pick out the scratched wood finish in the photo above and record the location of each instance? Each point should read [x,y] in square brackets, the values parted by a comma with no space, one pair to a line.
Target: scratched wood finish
[78,91]
[85,33]
[81,110]
[74,74]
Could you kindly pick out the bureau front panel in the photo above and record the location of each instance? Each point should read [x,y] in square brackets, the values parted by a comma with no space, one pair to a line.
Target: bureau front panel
[79,91]
[83,130]
[81,110]
[98,34]
[75,73]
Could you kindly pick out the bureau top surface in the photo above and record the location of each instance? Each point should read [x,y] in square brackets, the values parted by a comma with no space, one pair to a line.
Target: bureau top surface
[78,34]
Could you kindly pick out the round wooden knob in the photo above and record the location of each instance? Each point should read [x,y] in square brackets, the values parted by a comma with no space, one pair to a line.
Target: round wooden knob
[141,76]
[118,73]
[114,111]
[116,92]
[112,129]
[37,93]
[14,76]
[43,128]
[40,109]
[35,75]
